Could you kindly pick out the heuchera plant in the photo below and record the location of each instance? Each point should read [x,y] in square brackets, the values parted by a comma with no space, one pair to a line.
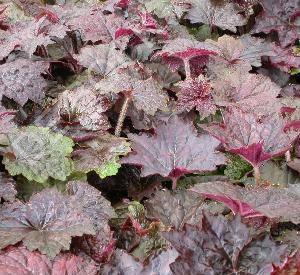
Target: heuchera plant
[149,137]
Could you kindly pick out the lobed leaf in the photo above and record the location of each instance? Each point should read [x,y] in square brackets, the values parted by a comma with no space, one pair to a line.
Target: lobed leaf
[174,150]
[253,138]
[47,222]
[38,154]
[280,203]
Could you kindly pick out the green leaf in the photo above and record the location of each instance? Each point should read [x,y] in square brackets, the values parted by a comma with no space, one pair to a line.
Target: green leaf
[14,14]
[110,168]
[37,154]
[161,8]
[237,168]
[295,71]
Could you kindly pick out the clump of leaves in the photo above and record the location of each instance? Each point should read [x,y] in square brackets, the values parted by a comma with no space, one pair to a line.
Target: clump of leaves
[103,102]
[222,246]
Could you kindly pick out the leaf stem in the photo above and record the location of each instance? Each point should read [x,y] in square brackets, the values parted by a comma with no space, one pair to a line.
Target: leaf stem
[288,157]
[122,115]
[256,175]
[187,68]
[174,183]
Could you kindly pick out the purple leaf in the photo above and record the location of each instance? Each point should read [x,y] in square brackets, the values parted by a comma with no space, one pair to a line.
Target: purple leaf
[47,222]
[196,93]
[280,16]
[249,92]
[280,203]
[253,138]
[174,150]
[7,187]
[21,80]
[72,264]
[221,246]
[19,260]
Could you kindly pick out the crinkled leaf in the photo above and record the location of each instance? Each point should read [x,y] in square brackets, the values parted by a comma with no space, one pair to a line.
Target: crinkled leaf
[122,263]
[246,48]
[285,59]
[19,260]
[94,204]
[280,16]
[27,35]
[165,8]
[85,107]
[102,59]
[159,262]
[21,80]
[220,246]
[99,247]
[250,92]
[253,138]
[89,20]
[173,209]
[13,13]
[7,187]
[174,150]
[38,154]
[72,264]
[147,93]
[268,201]
[196,93]
[224,15]
[47,222]
[100,154]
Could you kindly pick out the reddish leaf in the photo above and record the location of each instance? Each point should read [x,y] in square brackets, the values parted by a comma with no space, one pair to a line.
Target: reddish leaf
[47,222]
[249,92]
[187,52]
[224,15]
[89,20]
[20,261]
[94,204]
[253,138]
[72,264]
[268,201]
[246,48]
[21,80]
[122,263]
[291,266]
[221,246]
[196,93]
[285,59]
[27,35]
[147,94]
[7,187]
[280,16]
[173,209]
[100,246]
[174,150]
